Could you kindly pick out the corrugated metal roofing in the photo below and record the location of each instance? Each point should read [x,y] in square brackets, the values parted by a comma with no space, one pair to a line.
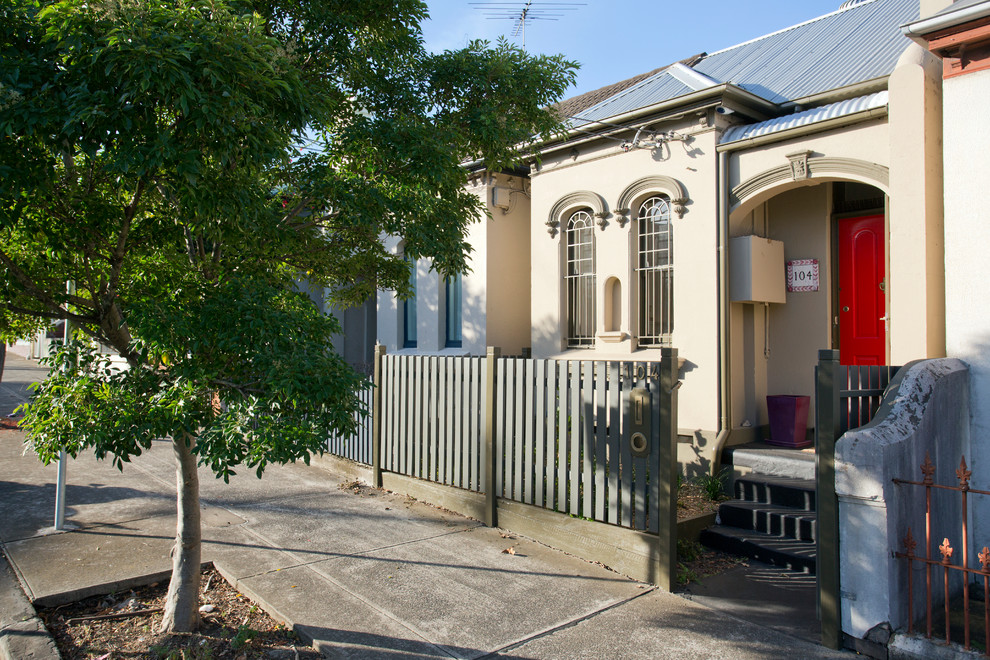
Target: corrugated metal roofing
[845,47]
[831,111]
[657,88]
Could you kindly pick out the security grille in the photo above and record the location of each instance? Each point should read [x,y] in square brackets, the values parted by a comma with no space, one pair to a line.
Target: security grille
[655,272]
[580,280]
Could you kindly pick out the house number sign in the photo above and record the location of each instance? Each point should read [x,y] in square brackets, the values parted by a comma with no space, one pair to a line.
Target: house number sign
[802,275]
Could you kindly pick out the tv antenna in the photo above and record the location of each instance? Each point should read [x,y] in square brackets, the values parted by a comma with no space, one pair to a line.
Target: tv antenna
[524,13]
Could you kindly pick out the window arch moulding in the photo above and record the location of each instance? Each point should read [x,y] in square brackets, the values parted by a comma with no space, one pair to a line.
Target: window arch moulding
[669,186]
[571,202]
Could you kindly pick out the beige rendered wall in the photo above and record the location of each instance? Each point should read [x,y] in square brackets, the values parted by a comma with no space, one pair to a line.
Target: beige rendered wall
[775,348]
[606,171]
[916,254]
[507,310]
[801,326]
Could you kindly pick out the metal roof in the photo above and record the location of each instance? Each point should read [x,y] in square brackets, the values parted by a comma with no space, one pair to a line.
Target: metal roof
[851,45]
[806,118]
[657,88]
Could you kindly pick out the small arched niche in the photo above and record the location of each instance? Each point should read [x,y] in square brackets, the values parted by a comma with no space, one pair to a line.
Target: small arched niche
[613,305]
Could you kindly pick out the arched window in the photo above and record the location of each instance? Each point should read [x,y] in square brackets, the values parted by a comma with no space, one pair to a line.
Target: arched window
[580,278]
[655,271]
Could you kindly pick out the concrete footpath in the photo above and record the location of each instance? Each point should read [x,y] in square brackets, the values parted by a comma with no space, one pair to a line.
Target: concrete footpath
[364,574]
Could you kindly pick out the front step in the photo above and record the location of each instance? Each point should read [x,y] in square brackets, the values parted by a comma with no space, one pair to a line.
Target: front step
[779,521]
[789,553]
[779,491]
[764,459]
[773,519]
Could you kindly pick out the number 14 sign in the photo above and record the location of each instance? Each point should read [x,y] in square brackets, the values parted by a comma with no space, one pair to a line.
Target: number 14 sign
[802,275]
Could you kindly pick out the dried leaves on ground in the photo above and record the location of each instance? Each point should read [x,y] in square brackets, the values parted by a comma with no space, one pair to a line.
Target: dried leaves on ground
[124,625]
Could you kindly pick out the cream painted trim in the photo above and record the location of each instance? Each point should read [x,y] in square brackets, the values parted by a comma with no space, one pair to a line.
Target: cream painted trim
[669,186]
[817,166]
[573,200]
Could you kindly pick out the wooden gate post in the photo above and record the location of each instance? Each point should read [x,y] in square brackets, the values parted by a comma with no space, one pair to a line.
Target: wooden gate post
[488,458]
[827,431]
[376,419]
[666,507]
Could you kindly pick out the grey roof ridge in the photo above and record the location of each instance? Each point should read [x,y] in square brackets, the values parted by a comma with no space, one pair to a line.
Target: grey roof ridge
[840,10]
[693,79]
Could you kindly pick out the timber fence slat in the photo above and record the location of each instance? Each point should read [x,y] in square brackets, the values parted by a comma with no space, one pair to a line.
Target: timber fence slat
[513,422]
[499,443]
[540,421]
[639,468]
[652,521]
[515,381]
[588,440]
[613,442]
[625,467]
[457,434]
[561,449]
[529,451]
[478,425]
[430,428]
[574,438]
[601,467]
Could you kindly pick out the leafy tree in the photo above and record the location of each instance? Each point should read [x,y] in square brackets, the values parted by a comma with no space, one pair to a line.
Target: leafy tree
[183,163]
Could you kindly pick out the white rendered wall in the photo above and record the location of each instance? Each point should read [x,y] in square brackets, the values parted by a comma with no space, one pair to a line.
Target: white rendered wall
[494,294]
[967,239]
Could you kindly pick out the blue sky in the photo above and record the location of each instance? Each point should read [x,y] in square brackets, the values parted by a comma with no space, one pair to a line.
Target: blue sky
[618,39]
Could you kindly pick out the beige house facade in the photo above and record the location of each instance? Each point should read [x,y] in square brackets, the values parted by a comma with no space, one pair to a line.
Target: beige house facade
[679,202]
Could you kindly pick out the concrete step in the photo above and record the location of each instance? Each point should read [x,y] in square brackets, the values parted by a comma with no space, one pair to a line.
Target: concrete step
[789,553]
[778,491]
[778,521]
[766,459]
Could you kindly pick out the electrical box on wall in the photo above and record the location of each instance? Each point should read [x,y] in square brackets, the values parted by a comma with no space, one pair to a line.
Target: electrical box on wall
[756,270]
[501,197]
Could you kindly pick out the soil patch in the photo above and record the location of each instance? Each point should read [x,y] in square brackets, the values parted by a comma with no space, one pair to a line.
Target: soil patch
[124,625]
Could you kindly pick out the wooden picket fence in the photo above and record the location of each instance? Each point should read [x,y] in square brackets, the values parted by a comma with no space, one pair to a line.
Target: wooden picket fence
[559,430]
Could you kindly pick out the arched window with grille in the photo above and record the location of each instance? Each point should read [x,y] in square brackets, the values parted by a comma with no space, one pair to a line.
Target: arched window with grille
[655,271]
[580,278]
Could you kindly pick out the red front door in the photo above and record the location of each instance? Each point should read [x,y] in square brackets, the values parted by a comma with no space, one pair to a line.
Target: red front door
[862,300]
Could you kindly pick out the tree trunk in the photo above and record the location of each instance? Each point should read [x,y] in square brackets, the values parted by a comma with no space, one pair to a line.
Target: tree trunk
[182,603]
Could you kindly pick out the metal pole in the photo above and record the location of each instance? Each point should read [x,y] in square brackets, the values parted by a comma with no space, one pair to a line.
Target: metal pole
[70,288]
[60,493]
